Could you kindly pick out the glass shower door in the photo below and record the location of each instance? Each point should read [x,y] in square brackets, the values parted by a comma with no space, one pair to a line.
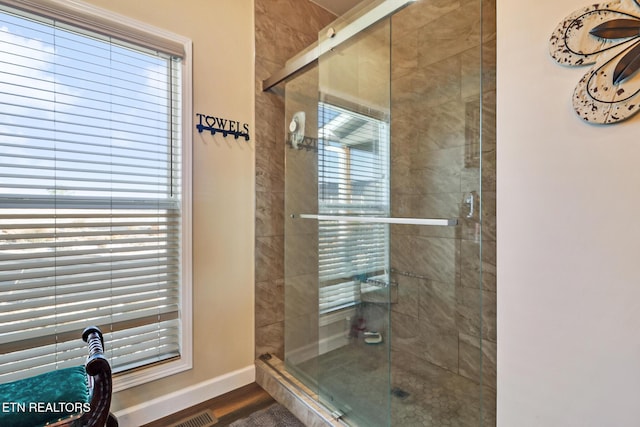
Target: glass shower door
[441,364]
[337,285]
[387,313]
[355,289]
[302,312]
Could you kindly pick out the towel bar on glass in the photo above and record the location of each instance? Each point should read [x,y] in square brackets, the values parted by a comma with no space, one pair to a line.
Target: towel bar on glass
[442,222]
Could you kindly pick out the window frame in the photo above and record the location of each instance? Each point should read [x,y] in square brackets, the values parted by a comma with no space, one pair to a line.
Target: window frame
[112,24]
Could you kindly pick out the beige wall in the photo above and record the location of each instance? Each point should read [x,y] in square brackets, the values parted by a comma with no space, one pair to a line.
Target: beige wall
[223,185]
[568,276]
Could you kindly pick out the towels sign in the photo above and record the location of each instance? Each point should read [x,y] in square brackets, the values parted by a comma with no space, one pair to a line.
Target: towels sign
[225,126]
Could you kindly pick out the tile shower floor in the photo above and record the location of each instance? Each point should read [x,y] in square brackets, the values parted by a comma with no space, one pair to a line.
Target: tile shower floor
[355,380]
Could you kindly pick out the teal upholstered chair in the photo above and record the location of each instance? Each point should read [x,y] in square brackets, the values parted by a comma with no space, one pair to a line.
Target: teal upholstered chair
[71,397]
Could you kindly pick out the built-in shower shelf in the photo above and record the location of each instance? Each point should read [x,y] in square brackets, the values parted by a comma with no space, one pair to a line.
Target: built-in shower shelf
[441,222]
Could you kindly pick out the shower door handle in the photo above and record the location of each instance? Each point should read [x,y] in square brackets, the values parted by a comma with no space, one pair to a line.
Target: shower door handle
[441,222]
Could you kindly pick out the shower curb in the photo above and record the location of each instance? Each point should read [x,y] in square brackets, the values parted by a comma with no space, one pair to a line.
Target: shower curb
[272,376]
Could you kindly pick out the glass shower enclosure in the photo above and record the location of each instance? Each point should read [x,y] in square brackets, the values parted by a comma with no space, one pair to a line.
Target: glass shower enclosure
[383,235]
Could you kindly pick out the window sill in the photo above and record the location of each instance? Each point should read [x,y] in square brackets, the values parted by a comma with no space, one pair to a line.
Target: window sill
[141,376]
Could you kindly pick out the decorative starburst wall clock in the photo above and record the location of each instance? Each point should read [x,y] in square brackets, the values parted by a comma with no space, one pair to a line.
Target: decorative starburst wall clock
[606,36]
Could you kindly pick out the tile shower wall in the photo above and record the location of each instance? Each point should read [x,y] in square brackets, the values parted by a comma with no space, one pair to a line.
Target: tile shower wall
[283,28]
[446,311]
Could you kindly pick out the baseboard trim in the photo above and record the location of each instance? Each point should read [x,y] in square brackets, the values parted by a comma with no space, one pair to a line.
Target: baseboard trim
[171,403]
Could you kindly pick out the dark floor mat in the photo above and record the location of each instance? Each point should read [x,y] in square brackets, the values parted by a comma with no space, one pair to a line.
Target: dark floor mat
[275,415]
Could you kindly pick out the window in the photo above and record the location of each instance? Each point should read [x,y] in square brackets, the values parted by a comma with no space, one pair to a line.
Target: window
[94,196]
[353,170]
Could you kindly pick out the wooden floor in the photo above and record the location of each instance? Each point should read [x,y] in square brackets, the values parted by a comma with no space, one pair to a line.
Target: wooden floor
[227,408]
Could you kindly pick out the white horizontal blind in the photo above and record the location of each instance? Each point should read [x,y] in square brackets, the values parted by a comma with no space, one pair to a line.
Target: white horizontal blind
[353,165]
[90,197]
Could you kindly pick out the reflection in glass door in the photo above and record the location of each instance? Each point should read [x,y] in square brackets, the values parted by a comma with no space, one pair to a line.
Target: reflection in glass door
[353,256]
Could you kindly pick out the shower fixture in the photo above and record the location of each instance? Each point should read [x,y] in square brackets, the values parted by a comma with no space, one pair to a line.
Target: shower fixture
[296,129]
